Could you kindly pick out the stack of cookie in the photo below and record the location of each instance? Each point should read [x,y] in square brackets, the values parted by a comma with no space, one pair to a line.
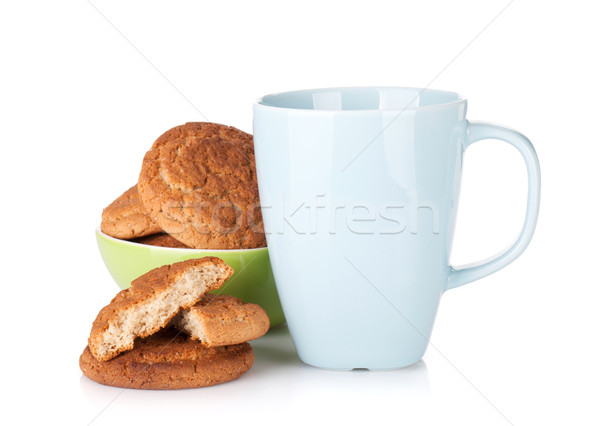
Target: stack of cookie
[197,188]
[168,332]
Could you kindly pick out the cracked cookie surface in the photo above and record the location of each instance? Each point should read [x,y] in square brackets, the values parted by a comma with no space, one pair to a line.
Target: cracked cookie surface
[198,182]
[151,301]
[126,217]
[169,360]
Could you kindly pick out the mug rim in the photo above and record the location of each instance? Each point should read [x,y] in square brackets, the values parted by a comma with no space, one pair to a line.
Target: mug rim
[459,99]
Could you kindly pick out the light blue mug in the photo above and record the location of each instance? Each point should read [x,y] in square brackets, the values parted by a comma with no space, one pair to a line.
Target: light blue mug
[359,192]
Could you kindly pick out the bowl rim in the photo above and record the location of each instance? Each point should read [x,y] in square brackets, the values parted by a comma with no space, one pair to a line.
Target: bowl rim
[181,249]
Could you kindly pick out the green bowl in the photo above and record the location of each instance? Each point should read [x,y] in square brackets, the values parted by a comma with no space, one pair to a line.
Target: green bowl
[252,279]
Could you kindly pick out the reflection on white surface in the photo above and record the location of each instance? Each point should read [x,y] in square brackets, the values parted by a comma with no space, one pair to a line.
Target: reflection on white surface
[275,352]
[277,376]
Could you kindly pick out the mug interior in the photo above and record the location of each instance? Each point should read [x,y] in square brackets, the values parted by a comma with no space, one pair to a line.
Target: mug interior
[361,98]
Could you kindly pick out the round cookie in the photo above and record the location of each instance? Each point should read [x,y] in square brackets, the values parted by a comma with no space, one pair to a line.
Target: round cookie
[160,240]
[169,360]
[126,217]
[198,182]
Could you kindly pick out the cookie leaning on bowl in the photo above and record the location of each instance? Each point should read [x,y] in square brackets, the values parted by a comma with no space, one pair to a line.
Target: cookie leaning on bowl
[152,301]
[126,217]
[198,182]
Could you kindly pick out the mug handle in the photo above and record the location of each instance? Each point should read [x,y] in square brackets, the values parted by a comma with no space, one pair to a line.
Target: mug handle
[477,131]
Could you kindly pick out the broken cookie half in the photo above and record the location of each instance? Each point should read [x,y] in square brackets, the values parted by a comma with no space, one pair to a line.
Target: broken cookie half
[152,301]
[218,320]
[133,344]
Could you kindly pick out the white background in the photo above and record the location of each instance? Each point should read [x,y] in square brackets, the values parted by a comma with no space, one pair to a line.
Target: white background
[80,105]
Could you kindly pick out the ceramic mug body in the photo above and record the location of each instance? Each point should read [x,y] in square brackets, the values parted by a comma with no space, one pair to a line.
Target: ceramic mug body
[359,190]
